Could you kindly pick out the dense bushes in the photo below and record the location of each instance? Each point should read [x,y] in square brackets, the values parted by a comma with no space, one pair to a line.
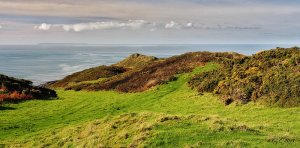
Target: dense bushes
[207,81]
[14,90]
[271,77]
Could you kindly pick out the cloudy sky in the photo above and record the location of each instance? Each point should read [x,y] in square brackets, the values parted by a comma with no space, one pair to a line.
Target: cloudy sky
[149,21]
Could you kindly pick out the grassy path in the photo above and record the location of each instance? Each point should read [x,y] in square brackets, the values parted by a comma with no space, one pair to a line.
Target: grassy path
[169,115]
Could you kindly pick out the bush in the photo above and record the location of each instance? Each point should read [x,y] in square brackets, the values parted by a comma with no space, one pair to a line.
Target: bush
[15,96]
[207,81]
[270,77]
[15,90]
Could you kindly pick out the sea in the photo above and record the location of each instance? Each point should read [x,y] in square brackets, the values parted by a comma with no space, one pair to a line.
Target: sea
[48,62]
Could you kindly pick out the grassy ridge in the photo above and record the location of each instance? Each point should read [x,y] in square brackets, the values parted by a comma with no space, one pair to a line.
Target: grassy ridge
[144,72]
[169,115]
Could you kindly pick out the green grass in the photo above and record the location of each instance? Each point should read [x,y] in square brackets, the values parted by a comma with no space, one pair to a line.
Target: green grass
[170,115]
[87,82]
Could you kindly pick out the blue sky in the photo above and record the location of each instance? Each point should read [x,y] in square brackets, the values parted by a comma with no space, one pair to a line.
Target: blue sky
[149,21]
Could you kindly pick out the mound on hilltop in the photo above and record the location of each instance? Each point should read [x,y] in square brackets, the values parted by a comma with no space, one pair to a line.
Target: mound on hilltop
[12,90]
[97,74]
[136,61]
[145,72]
[271,77]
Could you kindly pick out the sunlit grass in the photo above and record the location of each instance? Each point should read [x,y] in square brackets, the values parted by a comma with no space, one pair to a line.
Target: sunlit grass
[87,82]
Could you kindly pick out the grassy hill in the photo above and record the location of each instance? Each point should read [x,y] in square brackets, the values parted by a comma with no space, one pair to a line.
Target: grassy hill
[183,108]
[170,115]
[143,72]
[271,77]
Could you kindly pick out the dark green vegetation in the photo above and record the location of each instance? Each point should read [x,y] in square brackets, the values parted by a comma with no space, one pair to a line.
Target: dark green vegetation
[269,77]
[170,115]
[15,90]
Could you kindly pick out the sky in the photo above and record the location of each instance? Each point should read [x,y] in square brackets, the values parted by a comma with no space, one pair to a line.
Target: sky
[150,21]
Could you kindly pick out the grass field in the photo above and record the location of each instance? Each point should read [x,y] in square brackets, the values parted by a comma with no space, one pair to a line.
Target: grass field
[170,115]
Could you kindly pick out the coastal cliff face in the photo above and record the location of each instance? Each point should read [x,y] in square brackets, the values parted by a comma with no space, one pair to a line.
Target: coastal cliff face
[14,90]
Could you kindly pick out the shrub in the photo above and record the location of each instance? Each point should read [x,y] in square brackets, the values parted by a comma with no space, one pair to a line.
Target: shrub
[207,81]
[14,90]
[15,96]
[270,77]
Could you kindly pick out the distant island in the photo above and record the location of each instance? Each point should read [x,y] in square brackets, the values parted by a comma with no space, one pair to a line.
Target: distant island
[63,44]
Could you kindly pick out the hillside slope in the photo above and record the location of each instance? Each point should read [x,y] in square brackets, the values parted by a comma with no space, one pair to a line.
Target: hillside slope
[171,115]
[270,77]
[89,75]
[147,72]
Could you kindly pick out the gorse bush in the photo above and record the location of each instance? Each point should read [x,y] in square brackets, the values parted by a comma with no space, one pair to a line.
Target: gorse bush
[15,90]
[15,96]
[270,77]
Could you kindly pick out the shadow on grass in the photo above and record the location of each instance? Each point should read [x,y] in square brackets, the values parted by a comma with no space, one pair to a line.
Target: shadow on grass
[21,101]
[6,108]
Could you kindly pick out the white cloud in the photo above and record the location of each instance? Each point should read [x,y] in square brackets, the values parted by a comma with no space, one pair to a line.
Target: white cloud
[172,25]
[175,25]
[43,26]
[131,24]
[1,27]
[189,24]
[139,24]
